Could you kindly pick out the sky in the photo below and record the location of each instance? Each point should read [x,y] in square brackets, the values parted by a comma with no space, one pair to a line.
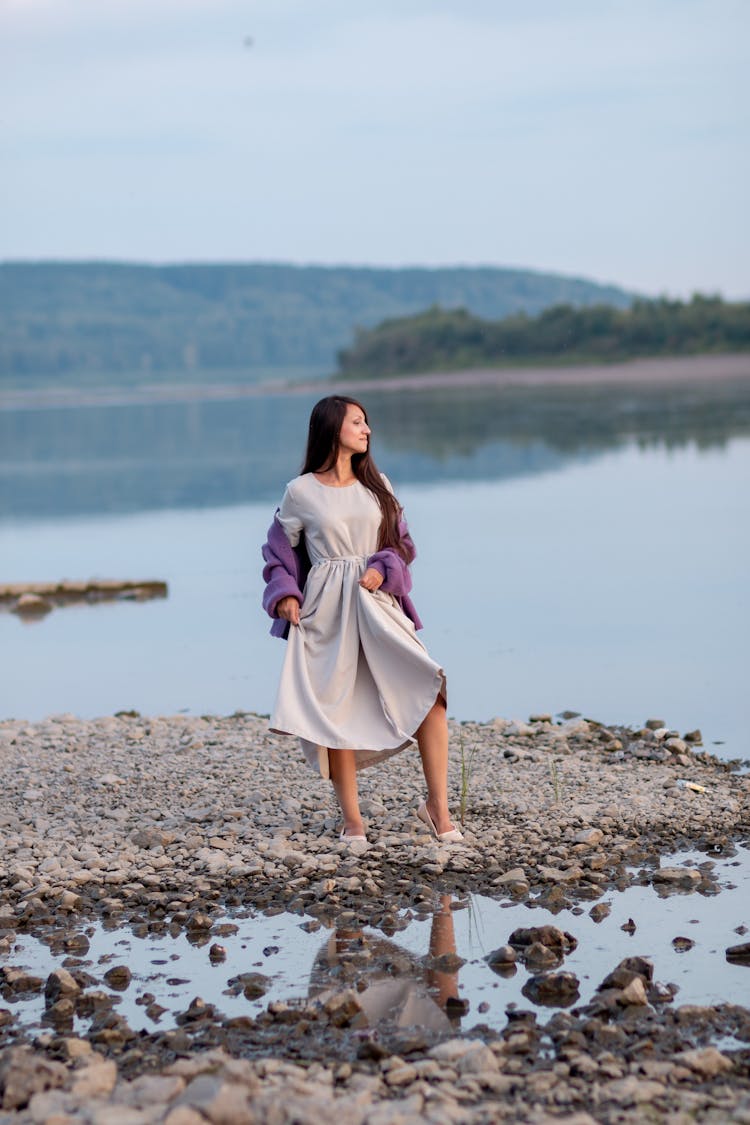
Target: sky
[606,139]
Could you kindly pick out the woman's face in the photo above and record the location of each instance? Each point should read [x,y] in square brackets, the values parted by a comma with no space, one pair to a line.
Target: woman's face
[355,433]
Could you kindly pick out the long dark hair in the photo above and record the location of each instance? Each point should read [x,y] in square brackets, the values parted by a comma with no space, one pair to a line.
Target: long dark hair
[322,451]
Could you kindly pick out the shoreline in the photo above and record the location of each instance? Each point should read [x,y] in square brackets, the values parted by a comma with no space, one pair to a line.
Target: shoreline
[659,371]
[168,825]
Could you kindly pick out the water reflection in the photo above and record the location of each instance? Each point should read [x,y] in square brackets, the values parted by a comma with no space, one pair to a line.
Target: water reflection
[206,453]
[399,987]
[434,974]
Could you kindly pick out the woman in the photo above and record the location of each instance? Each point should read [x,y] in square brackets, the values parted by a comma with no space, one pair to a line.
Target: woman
[357,685]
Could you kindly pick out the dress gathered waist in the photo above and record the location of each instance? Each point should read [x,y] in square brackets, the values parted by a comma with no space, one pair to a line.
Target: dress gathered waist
[340,558]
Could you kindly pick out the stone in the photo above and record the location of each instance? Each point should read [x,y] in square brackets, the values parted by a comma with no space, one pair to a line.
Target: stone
[590,836]
[677,876]
[223,1103]
[682,944]
[184,1115]
[24,1073]
[634,992]
[60,983]
[739,954]
[706,1061]
[32,605]
[504,955]
[152,1089]
[478,1060]
[549,936]
[552,990]
[627,970]
[538,956]
[515,875]
[118,977]
[342,1007]
[600,911]
[17,982]
[96,1079]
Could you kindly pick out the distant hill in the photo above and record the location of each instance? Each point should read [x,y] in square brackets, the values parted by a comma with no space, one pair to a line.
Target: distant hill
[72,322]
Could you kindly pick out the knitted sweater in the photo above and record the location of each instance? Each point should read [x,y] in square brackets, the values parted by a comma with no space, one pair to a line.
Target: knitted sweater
[286,569]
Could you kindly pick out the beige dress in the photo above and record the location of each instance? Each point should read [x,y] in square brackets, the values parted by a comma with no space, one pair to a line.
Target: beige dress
[355,675]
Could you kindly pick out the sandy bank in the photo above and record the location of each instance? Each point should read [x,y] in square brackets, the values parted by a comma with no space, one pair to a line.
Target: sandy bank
[688,370]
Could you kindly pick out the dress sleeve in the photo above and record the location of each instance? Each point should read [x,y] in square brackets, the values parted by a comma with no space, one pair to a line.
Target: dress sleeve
[289,517]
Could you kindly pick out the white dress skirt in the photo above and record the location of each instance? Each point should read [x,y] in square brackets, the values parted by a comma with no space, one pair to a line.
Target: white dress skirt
[355,675]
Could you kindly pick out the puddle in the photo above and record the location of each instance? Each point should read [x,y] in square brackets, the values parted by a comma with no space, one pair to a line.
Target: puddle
[302,958]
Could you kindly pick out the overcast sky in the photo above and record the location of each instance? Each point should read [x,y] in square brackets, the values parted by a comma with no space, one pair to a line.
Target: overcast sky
[598,138]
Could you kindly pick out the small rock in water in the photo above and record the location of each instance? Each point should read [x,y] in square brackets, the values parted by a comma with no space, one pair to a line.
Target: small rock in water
[739,954]
[32,605]
[629,927]
[600,911]
[677,876]
[505,955]
[118,977]
[217,953]
[549,936]
[682,944]
[553,990]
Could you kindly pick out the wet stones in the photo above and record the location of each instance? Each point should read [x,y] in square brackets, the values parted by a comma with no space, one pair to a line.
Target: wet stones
[739,954]
[553,989]
[342,1008]
[118,977]
[60,984]
[541,946]
[504,957]
[684,878]
[19,982]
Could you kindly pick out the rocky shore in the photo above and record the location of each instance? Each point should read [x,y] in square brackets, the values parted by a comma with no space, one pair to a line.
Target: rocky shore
[172,825]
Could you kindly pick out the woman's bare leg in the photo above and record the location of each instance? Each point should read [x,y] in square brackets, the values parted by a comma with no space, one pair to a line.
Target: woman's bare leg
[432,738]
[343,767]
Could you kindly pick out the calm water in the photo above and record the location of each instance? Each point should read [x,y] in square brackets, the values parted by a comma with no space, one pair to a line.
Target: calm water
[581,550]
[300,961]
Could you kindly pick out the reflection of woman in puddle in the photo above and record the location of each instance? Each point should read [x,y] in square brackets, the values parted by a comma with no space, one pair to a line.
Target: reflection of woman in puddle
[401,989]
[357,685]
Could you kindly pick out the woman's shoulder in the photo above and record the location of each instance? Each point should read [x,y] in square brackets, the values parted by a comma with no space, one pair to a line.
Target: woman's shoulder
[300,483]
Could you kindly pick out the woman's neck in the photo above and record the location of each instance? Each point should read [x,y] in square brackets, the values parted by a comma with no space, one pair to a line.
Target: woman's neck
[339,474]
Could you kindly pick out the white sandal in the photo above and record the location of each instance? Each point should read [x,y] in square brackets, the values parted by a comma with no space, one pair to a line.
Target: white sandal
[452,836]
[351,839]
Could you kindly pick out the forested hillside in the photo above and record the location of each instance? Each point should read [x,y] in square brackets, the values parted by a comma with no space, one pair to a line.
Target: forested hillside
[67,321]
[451,339]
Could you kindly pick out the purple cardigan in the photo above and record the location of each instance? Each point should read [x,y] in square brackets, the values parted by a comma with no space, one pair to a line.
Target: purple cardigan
[286,569]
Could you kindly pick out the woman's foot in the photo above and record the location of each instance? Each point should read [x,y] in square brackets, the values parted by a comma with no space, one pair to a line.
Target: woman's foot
[449,835]
[353,833]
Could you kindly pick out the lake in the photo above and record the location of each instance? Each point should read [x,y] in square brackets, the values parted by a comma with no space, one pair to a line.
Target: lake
[579,548]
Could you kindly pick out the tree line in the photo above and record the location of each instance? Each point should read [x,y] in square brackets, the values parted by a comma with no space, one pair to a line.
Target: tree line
[451,339]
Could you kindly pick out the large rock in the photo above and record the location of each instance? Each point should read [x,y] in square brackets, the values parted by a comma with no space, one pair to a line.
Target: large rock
[60,983]
[221,1102]
[683,877]
[24,1073]
[96,1079]
[706,1061]
[629,969]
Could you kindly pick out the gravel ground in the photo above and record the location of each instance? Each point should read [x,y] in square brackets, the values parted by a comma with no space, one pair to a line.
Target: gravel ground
[166,823]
